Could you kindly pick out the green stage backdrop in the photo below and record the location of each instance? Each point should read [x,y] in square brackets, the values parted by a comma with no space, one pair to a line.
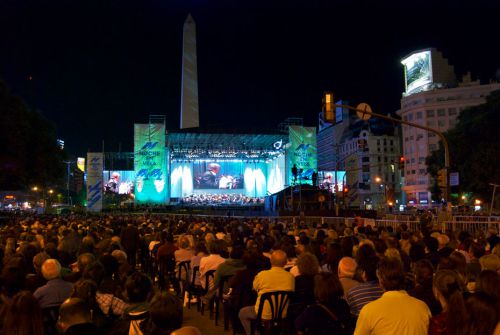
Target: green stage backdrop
[302,152]
[150,164]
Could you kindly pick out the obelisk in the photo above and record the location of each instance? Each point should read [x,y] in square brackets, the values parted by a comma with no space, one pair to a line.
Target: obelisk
[189,90]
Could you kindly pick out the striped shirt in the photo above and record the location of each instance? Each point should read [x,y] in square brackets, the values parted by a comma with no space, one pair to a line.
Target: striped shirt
[362,294]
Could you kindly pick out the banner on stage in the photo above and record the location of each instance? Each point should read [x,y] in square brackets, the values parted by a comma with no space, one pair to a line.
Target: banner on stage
[303,154]
[95,162]
[150,163]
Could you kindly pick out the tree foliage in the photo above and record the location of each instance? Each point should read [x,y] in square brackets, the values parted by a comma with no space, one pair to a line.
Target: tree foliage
[30,154]
[474,148]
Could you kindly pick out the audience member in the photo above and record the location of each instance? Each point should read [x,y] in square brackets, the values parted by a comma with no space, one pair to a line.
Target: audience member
[56,290]
[330,314]
[275,279]
[395,312]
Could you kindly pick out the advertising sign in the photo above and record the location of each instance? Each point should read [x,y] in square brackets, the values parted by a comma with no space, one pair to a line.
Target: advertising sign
[94,181]
[150,163]
[302,154]
[80,163]
[418,70]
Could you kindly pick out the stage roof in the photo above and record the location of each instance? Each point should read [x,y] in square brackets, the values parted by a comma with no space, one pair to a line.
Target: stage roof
[184,145]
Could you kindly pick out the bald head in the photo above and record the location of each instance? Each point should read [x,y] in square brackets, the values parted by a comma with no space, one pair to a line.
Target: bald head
[347,267]
[51,269]
[278,258]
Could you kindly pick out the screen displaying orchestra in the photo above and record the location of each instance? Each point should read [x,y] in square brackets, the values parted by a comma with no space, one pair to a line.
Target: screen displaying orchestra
[218,175]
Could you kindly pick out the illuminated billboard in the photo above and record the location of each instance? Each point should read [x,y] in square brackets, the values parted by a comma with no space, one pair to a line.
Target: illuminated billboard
[302,155]
[80,163]
[218,175]
[418,70]
[150,163]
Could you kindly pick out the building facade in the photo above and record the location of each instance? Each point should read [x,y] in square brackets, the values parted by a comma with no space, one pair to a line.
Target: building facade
[435,104]
[368,152]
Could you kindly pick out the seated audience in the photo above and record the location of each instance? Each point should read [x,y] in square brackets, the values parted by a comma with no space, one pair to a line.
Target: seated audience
[275,279]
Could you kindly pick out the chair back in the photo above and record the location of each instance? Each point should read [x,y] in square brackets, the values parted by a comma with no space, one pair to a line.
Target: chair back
[183,266]
[222,283]
[50,315]
[210,274]
[278,302]
[196,269]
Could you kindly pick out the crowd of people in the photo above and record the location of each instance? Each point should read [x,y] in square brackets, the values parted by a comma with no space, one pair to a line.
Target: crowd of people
[208,199]
[102,275]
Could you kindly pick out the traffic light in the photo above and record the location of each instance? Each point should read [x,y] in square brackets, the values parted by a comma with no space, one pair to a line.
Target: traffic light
[402,163]
[346,189]
[441,178]
[329,108]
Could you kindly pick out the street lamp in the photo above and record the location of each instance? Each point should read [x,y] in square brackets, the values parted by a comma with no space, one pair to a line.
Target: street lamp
[35,188]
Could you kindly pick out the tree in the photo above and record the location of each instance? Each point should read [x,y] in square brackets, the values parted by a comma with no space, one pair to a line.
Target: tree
[474,148]
[30,154]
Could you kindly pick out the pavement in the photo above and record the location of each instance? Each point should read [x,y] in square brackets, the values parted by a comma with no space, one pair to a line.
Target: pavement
[206,325]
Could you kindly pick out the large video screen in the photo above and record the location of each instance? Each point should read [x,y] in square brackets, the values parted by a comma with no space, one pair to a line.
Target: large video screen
[218,175]
[118,182]
[326,180]
[418,70]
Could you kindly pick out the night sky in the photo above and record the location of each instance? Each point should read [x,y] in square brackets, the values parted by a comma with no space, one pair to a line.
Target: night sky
[98,66]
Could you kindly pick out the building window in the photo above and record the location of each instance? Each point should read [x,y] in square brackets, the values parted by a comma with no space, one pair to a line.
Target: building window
[406,139]
[421,160]
[441,123]
[453,123]
[412,171]
[432,135]
[378,142]
[430,123]
[392,142]
[452,111]
[430,113]
[385,159]
[412,161]
[410,117]
[419,115]
[441,112]
[365,159]
[422,171]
